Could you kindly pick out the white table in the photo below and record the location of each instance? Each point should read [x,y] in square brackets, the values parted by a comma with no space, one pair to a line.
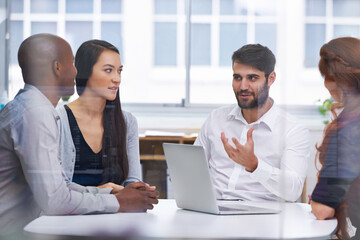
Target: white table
[167,221]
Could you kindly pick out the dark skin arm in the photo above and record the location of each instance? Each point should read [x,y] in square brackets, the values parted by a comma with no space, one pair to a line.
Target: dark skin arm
[137,197]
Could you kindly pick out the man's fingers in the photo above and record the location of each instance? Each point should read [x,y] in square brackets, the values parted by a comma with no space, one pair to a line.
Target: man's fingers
[226,144]
[153,201]
[224,139]
[152,194]
[138,185]
[230,151]
[237,144]
[249,135]
[151,188]
[147,187]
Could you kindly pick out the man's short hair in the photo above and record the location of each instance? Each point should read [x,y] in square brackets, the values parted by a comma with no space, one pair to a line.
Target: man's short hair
[257,56]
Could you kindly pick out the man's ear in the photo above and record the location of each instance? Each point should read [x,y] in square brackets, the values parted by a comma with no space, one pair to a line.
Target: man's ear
[271,78]
[57,68]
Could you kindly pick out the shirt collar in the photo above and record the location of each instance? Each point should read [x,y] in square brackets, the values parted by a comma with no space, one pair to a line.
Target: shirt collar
[269,118]
[30,87]
[37,94]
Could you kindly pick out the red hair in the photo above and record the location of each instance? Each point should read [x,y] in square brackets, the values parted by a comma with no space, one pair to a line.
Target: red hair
[340,63]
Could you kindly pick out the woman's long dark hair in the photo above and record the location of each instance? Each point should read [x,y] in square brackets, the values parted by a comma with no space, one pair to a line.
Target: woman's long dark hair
[340,63]
[115,159]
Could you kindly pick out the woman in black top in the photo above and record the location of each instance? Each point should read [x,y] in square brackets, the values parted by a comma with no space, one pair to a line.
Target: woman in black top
[105,138]
[337,191]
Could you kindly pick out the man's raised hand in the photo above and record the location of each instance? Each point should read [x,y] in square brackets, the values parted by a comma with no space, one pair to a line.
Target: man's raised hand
[242,154]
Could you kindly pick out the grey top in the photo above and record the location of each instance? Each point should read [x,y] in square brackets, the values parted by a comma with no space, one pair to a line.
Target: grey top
[68,153]
[31,178]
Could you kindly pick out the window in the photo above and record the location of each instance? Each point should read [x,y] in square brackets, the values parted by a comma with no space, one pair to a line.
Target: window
[327,19]
[175,55]
[161,74]
[218,28]
[75,20]
[166,32]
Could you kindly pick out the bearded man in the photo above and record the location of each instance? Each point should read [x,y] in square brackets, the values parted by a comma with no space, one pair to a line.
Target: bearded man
[267,156]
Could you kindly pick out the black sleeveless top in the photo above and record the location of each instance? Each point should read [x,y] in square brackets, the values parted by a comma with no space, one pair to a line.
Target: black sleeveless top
[88,165]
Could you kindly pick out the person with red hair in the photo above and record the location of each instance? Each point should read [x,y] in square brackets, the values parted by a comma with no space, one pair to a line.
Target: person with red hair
[337,193]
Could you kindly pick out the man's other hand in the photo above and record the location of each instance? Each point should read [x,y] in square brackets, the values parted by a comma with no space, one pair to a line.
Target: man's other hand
[146,187]
[137,197]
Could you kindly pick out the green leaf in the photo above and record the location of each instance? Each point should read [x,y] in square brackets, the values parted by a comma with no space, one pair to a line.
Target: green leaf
[65,98]
[327,105]
[322,110]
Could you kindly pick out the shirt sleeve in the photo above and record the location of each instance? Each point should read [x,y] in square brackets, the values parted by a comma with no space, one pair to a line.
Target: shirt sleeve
[132,146]
[88,189]
[287,181]
[341,167]
[36,145]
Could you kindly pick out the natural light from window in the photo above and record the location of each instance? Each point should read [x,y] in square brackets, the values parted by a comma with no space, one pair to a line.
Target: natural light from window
[154,43]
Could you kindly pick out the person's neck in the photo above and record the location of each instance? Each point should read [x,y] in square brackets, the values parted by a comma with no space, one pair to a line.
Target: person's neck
[253,114]
[351,103]
[92,106]
[51,93]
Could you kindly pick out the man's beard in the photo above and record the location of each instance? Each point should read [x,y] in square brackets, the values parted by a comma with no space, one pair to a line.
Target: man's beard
[258,101]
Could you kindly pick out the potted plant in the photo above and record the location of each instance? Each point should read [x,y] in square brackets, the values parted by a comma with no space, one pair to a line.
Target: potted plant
[325,109]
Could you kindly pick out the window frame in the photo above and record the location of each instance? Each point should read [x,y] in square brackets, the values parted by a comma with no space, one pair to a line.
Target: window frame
[183,56]
[329,20]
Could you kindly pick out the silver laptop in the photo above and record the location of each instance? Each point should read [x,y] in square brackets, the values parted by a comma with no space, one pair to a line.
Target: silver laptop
[192,185]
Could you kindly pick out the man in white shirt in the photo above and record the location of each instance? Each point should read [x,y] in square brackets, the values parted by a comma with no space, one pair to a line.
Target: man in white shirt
[267,156]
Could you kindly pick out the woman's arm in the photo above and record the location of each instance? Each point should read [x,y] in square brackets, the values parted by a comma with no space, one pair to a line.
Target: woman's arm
[322,211]
[111,185]
[132,146]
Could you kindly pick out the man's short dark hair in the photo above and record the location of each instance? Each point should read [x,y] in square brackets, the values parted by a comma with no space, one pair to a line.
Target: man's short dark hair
[257,56]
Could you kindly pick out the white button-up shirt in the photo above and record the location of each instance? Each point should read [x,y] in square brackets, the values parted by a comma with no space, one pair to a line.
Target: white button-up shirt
[281,145]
